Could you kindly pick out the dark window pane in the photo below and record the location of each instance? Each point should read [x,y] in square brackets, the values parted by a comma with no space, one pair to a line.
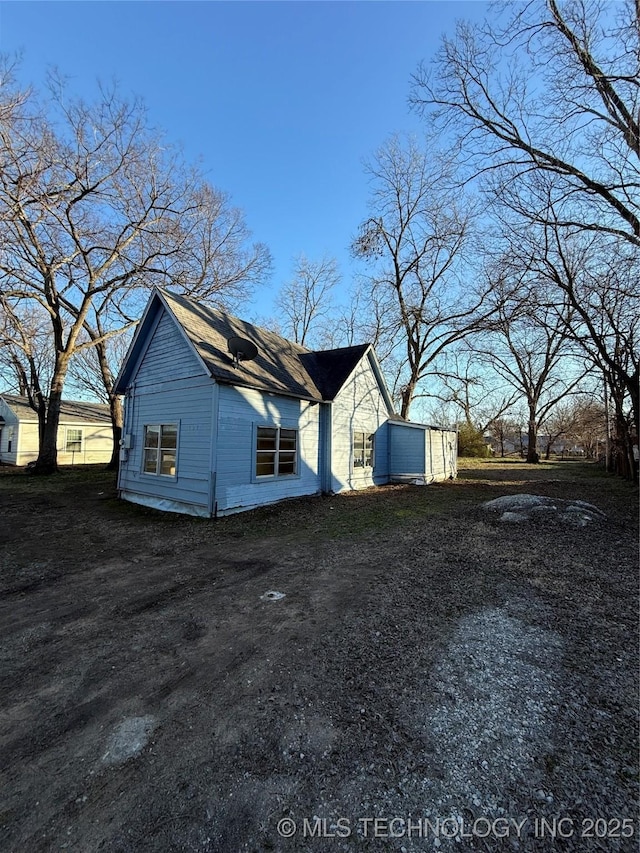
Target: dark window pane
[151,434]
[287,463]
[267,438]
[265,465]
[150,461]
[169,436]
[288,439]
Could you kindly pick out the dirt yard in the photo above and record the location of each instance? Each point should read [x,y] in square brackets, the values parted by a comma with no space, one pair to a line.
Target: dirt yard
[432,678]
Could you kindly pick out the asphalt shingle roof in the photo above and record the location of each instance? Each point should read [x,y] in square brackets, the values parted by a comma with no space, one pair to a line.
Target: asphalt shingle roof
[281,366]
[70,410]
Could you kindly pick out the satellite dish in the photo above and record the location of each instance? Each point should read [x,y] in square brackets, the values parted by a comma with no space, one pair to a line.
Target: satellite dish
[242,350]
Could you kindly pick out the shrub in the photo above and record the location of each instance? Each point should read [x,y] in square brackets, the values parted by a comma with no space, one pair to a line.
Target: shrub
[471,442]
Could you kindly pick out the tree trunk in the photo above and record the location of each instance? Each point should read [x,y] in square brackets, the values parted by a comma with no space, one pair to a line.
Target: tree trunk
[532,435]
[115,405]
[117,420]
[407,398]
[47,461]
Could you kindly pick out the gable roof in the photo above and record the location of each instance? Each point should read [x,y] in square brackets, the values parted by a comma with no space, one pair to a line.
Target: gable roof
[70,410]
[277,366]
[330,368]
[281,366]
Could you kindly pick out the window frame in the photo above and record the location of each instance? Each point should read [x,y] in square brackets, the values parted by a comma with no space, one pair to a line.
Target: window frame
[277,452]
[158,448]
[74,441]
[360,453]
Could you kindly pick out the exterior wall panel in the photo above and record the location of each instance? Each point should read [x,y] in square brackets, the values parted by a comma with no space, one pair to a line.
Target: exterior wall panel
[241,411]
[359,407]
[189,405]
[422,453]
[408,446]
[167,356]
[170,386]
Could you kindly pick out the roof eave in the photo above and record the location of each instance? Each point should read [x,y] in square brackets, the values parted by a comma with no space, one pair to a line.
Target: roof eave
[274,392]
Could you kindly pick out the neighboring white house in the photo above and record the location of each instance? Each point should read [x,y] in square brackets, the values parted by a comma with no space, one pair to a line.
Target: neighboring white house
[210,434]
[84,433]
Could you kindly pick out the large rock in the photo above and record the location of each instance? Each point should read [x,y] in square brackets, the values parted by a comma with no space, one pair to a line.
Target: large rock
[519,508]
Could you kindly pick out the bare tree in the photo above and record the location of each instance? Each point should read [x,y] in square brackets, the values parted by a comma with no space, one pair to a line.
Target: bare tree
[529,345]
[468,383]
[589,428]
[307,300]
[94,209]
[555,90]
[544,109]
[94,370]
[597,277]
[415,243]
[504,431]
[559,423]
[26,354]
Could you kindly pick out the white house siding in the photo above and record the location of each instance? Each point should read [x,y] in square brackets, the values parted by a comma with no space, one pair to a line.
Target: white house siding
[10,435]
[97,443]
[170,386]
[97,440]
[443,453]
[241,411]
[359,407]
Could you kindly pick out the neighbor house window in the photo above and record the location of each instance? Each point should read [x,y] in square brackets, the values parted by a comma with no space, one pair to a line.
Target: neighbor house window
[74,440]
[362,450]
[160,445]
[276,452]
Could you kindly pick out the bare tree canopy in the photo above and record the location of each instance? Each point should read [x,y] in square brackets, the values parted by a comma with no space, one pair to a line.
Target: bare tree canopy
[543,105]
[530,346]
[469,389]
[305,302]
[95,207]
[555,89]
[415,243]
[597,276]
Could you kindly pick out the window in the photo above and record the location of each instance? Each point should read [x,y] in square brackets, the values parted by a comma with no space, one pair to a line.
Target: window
[160,445]
[362,450]
[276,452]
[74,440]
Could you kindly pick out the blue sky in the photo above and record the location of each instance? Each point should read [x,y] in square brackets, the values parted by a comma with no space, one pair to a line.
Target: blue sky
[279,102]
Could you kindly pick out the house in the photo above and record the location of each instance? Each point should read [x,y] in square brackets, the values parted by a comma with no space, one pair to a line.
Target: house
[223,416]
[84,432]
